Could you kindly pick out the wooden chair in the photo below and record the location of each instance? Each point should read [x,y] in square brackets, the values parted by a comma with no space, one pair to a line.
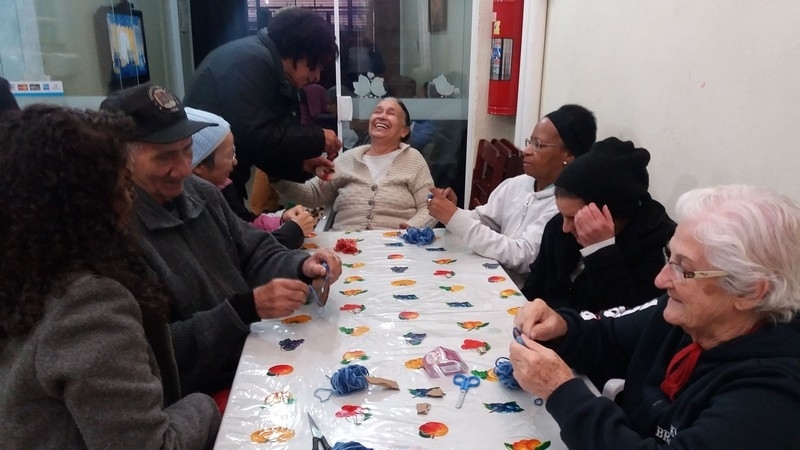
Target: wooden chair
[489,172]
[514,163]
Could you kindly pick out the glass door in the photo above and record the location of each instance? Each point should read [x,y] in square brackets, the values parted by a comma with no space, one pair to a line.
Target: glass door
[416,50]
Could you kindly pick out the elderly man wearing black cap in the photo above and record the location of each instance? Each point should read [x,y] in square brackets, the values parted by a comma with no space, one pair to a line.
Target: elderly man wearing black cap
[222,273]
[508,228]
[604,249]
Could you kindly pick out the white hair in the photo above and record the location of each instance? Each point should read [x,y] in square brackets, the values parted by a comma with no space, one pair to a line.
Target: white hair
[753,234]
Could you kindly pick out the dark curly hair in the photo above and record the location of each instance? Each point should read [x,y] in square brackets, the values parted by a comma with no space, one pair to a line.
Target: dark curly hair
[65,208]
[301,33]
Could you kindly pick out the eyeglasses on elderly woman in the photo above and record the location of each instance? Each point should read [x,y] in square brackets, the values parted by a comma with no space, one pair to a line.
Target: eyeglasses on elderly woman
[680,272]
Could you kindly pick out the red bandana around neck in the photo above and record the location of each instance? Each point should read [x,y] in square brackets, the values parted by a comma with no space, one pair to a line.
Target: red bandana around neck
[680,369]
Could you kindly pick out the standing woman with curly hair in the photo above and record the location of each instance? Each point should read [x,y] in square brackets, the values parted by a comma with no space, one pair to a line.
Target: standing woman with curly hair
[85,355]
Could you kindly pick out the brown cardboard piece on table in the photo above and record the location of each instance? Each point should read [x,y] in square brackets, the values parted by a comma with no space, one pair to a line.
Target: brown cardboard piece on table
[378,381]
[435,392]
[423,408]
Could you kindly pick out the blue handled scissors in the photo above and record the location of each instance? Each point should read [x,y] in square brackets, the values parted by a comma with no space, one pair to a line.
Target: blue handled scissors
[320,287]
[318,439]
[465,383]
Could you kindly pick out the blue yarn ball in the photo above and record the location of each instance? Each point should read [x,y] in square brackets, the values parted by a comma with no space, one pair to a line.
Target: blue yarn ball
[352,445]
[349,379]
[505,373]
[419,236]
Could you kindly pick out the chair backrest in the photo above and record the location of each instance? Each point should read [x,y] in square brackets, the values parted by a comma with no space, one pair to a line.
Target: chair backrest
[514,163]
[489,172]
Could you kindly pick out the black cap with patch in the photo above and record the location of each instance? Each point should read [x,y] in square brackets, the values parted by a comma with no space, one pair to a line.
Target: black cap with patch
[158,114]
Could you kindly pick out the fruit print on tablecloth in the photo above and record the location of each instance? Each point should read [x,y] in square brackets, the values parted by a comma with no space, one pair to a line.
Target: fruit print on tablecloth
[444,261]
[513,311]
[453,288]
[354,355]
[415,338]
[496,279]
[399,269]
[355,265]
[436,249]
[302,318]
[479,346]
[472,325]
[280,369]
[279,398]
[394,244]
[459,304]
[404,282]
[408,315]
[395,256]
[491,265]
[528,444]
[444,273]
[505,293]
[486,375]
[309,246]
[405,296]
[355,331]
[353,279]
[352,308]
[414,364]
[287,345]
[352,292]
[430,430]
[507,407]
[272,434]
[391,233]
[354,414]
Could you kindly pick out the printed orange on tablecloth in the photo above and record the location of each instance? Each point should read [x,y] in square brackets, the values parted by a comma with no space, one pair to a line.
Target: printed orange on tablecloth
[274,434]
[280,369]
[496,279]
[415,363]
[408,315]
[403,283]
[433,430]
[353,355]
[395,256]
[302,318]
[513,311]
[528,444]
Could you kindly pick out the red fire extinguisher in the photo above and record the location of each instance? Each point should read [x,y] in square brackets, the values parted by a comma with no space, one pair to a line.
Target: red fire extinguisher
[506,47]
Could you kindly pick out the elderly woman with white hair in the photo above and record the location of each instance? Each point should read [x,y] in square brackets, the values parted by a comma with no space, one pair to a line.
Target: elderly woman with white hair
[715,363]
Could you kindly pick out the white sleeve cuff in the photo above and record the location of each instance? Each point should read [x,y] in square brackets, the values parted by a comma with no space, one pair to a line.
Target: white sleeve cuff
[586,251]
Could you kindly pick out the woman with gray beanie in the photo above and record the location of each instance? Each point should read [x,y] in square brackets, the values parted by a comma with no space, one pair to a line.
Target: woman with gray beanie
[604,249]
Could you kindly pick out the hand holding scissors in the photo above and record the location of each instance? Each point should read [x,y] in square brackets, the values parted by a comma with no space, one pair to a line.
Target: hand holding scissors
[318,439]
[465,383]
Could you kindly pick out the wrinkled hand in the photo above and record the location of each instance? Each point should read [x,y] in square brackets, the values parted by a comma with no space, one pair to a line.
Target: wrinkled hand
[440,207]
[332,143]
[310,165]
[404,226]
[537,369]
[302,217]
[538,321]
[592,225]
[450,195]
[313,268]
[280,297]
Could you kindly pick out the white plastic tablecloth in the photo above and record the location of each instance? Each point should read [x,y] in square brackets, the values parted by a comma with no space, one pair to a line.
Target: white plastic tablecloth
[393,303]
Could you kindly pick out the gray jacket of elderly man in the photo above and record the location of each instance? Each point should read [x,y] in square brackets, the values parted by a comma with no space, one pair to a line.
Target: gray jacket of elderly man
[205,256]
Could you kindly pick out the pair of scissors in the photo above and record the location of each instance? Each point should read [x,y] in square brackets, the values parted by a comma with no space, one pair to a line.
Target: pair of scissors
[465,383]
[318,440]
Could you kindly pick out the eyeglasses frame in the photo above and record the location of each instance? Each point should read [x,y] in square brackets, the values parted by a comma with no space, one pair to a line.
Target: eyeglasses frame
[696,274]
[538,144]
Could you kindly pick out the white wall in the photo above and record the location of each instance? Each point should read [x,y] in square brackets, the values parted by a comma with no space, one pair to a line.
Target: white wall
[711,87]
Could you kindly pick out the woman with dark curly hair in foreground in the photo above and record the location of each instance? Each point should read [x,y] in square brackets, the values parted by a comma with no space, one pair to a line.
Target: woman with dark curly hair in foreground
[85,355]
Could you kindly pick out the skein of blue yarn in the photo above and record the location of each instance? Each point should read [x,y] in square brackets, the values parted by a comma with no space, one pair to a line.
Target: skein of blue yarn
[352,445]
[419,236]
[349,379]
[345,381]
[505,373]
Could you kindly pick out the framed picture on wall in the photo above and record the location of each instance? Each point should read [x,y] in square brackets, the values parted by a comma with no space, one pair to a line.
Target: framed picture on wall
[437,15]
[129,65]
